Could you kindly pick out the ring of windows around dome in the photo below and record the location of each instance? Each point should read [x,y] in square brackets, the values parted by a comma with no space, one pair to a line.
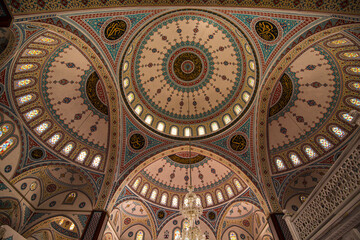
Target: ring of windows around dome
[226,191]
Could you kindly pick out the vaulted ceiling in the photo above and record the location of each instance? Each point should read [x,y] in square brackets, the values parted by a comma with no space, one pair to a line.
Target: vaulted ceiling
[104,103]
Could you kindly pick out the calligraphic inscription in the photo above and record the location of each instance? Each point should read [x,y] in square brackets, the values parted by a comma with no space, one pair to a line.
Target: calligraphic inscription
[266,30]
[137,141]
[238,143]
[115,29]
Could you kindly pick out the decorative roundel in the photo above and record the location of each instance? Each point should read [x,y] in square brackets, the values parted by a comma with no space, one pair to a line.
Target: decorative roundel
[160,214]
[115,30]
[189,73]
[82,205]
[8,168]
[51,187]
[242,236]
[52,204]
[175,222]
[23,186]
[212,215]
[130,234]
[137,141]
[246,223]
[238,143]
[127,221]
[37,154]
[269,31]
[33,197]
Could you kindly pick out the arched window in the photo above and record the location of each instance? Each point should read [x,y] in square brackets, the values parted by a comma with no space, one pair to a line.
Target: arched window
[136,183]
[246,96]
[54,139]
[174,131]
[229,191]
[338,131]
[177,234]
[187,132]
[251,81]
[82,155]
[214,126]
[42,127]
[186,224]
[67,149]
[237,109]
[252,65]
[163,199]
[232,235]
[144,189]
[226,119]
[138,109]
[356,86]
[70,198]
[46,40]
[238,186]
[130,97]
[295,159]
[175,201]
[126,82]
[355,102]
[347,117]
[22,83]
[209,200]
[201,130]
[324,143]
[96,161]
[149,119]
[355,69]
[26,98]
[198,201]
[32,114]
[219,196]
[279,164]
[351,54]
[153,195]
[33,52]
[25,67]
[5,130]
[339,42]
[6,146]
[310,152]
[139,235]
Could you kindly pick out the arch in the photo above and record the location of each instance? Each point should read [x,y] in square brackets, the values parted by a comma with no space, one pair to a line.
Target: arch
[140,235]
[175,201]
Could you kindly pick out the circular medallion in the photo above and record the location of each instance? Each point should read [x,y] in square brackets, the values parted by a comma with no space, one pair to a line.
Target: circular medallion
[115,30]
[51,187]
[37,154]
[82,205]
[8,168]
[130,234]
[23,186]
[160,214]
[33,197]
[266,30]
[188,68]
[212,215]
[238,143]
[127,221]
[137,141]
[175,222]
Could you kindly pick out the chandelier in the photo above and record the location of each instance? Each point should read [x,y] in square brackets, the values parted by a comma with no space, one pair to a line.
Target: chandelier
[191,208]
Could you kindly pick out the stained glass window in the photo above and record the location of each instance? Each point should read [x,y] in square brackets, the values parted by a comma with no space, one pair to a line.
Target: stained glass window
[33,113]
[4,129]
[229,191]
[46,40]
[347,117]
[67,149]
[33,52]
[70,198]
[310,152]
[251,81]
[153,195]
[201,130]
[163,199]
[26,98]
[186,224]
[219,196]
[148,119]
[25,67]
[33,186]
[227,119]
[351,54]
[174,131]
[138,109]
[209,200]
[233,236]
[214,126]
[355,69]
[356,85]
[252,65]
[96,161]
[23,82]
[42,127]
[187,132]
[144,189]
[295,159]
[237,109]
[136,183]
[246,96]
[82,155]
[302,198]
[5,146]
[126,82]
[175,202]
[54,139]
[279,164]
[186,202]
[161,126]
[198,202]
[355,102]
[338,132]
[324,143]
[131,97]
[72,226]
[177,234]
[238,185]
[339,41]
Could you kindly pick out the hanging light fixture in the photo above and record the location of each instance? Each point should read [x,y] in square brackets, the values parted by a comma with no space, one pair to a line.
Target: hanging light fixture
[191,208]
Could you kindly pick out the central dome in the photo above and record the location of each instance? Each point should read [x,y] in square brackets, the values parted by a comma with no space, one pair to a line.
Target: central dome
[189,73]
